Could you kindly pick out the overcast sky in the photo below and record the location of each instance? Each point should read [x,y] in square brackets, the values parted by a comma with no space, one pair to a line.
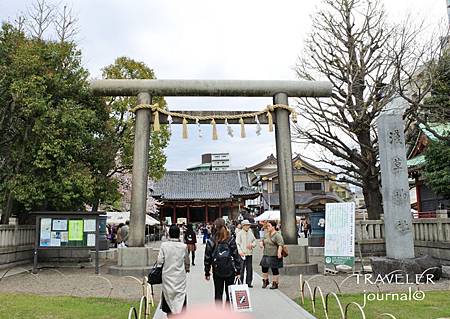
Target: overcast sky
[207,39]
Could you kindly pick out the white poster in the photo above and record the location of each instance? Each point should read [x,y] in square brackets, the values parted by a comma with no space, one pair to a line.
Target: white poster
[46,226]
[59,224]
[90,239]
[339,233]
[64,237]
[89,225]
[55,239]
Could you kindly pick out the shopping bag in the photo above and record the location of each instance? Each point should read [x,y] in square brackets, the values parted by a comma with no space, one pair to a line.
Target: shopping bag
[240,297]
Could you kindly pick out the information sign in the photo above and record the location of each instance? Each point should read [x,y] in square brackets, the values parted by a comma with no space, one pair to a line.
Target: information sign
[339,234]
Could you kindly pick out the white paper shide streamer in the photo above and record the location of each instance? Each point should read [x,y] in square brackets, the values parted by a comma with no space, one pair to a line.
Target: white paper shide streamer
[199,129]
[258,126]
[229,128]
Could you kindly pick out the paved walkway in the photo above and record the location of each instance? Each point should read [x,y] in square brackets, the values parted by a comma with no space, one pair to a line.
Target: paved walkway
[267,304]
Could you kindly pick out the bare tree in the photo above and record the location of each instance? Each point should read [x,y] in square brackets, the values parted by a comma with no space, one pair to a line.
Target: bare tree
[353,46]
[66,25]
[40,17]
[19,23]
[427,89]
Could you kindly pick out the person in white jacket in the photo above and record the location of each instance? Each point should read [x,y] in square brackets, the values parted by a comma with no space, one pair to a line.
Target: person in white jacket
[174,257]
[246,241]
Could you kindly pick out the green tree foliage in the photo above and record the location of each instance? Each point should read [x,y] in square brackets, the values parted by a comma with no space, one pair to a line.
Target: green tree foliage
[437,168]
[440,93]
[53,132]
[123,121]
[437,109]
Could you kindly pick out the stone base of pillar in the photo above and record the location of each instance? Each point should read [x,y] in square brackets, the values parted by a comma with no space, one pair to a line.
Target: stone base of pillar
[134,261]
[298,262]
[406,269]
[316,241]
[446,272]
[316,251]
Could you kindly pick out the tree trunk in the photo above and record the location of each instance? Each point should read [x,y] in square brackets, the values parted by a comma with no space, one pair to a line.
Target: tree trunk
[369,174]
[372,197]
[7,211]
[95,205]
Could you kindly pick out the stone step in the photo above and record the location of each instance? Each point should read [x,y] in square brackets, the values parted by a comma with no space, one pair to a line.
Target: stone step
[138,272]
[297,269]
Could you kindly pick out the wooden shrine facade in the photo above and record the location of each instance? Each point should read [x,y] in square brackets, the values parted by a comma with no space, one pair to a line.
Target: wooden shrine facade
[203,196]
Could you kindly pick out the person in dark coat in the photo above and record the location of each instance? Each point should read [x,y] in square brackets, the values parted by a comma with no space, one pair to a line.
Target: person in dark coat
[222,256]
[190,239]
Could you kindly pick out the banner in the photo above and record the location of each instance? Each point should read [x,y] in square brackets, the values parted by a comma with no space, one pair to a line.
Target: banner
[339,234]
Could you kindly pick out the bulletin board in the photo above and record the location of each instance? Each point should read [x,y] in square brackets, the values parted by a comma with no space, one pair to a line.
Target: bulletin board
[66,230]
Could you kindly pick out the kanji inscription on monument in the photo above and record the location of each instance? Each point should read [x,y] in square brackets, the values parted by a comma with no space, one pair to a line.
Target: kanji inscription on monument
[397,164]
[395,187]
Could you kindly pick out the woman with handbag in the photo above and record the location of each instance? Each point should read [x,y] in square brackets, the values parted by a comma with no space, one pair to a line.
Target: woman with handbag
[174,259]
[272,255]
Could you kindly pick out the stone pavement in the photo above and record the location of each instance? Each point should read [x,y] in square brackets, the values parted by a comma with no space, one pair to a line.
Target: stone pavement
[267,304]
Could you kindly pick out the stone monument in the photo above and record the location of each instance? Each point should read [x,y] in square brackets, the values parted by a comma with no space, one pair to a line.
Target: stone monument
[396,203]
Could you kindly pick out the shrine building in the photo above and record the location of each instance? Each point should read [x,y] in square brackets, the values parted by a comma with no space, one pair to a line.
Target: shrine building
[203,196]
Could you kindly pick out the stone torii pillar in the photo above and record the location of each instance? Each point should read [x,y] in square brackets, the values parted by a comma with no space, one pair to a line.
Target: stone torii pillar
[144,89]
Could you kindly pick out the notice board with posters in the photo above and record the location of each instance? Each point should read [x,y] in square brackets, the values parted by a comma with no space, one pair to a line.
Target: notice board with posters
[66,230]
[339,234]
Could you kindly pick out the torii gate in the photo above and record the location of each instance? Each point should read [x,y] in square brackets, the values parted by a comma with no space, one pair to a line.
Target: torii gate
[145,89]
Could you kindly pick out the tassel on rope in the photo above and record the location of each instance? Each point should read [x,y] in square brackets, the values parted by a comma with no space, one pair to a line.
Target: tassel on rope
[294,116]
[156,126]
[185,128]
[214,130]
[241,121]
[258,126]
[199,129]
[229,128]
[270,120]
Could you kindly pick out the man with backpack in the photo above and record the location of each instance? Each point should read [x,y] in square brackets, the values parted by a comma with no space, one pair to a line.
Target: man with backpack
[221,254]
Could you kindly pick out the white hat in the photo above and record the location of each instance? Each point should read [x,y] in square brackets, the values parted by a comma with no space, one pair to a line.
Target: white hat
[245,222]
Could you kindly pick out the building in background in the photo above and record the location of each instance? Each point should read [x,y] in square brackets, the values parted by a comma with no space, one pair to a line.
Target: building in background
[313,186]
[203,196]
[213,162]
[427,201]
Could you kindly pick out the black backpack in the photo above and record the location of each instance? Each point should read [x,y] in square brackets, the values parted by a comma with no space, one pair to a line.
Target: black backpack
[223,261]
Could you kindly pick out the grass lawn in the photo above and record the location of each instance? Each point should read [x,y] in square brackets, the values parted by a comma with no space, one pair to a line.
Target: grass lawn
[436,304]
[61,307]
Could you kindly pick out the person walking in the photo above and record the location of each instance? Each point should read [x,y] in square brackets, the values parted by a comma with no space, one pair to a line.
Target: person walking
[246,241]
[306,228]
[174,258]
[190,239]
[205,234]
[221,254]
[273,245]
[124,231]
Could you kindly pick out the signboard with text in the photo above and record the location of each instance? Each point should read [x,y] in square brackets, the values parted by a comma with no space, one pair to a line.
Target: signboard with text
[339,234]
[66,232]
